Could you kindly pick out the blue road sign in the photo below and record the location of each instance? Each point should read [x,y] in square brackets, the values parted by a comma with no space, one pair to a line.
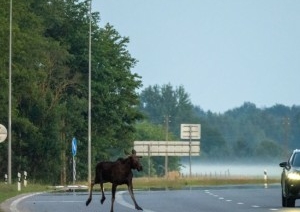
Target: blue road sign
[74,146]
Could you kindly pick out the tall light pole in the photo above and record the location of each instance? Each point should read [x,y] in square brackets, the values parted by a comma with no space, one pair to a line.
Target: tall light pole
[9,94]
[90,97]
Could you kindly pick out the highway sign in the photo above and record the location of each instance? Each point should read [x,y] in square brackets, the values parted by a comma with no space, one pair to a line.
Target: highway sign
[74,146]
[190,131]
[3,133]
[167,148]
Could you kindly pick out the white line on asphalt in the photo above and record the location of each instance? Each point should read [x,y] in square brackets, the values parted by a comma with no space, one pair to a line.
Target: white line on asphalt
[62,201]
[121,201]
[13,206]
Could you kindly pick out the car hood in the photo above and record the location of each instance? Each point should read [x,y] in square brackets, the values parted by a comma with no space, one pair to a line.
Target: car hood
[295,169]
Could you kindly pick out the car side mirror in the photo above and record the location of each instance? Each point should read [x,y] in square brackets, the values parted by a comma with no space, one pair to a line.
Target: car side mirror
[283,164]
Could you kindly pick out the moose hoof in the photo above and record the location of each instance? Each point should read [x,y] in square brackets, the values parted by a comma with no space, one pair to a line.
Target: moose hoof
[138,208]
[88,202]
[102,200]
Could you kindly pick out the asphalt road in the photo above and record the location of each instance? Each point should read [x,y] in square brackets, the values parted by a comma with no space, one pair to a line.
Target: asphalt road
[225,199]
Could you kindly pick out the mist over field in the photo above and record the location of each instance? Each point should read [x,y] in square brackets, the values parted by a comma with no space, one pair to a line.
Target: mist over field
[216,169]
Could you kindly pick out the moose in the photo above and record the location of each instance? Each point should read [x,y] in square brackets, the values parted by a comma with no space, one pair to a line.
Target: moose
[118,172]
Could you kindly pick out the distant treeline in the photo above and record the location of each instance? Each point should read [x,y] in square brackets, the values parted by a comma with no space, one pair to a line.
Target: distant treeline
[242,132]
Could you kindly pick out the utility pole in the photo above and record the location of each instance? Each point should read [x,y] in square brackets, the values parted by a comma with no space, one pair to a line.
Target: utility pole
[286,123]
[167,120]
[190,149]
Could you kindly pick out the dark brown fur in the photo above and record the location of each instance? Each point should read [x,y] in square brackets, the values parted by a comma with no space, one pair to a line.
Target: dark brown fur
[118,172]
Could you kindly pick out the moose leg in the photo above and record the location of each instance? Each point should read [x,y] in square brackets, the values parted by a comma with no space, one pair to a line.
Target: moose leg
[130,190]
[113,190]
[90,196]
[103,196]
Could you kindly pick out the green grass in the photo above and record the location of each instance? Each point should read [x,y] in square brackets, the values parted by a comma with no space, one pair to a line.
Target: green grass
[8,191]
[178,183]
[199,181]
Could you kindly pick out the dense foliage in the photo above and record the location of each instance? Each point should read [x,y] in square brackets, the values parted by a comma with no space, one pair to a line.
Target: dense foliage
[50,89]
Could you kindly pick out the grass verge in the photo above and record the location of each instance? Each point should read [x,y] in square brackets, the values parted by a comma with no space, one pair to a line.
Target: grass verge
[184,182]
[179,183]
[8,191]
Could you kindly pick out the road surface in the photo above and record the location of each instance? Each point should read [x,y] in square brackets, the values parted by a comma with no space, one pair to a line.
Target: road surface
[225,199]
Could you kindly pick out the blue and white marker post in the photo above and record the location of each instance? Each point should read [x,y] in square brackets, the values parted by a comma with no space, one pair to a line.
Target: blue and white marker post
[74,151]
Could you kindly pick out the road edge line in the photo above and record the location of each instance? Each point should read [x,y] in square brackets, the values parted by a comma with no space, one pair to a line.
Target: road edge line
[120,200]
[13,205]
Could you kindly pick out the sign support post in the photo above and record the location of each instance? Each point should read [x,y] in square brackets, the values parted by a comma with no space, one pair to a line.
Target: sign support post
[74,151]
[190,157]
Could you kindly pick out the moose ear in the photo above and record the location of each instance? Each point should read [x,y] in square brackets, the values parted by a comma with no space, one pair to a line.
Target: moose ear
[133,152]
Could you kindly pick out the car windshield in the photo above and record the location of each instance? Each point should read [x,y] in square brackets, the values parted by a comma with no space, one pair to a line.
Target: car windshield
[296,160]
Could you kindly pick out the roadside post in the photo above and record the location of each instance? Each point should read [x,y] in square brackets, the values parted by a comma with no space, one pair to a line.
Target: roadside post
[19,181]
[5,178]
[266,178]
[25,178]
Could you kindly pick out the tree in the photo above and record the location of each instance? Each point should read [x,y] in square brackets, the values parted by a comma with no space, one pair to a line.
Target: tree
[158,102]
[50,88]
[212,142]
[267,149]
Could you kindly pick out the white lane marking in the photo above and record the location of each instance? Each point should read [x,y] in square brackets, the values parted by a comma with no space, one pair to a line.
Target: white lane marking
[13,206]
[121,201]
[239,203]
[62,201]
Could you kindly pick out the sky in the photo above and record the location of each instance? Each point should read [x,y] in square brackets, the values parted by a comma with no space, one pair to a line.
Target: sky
[223,52]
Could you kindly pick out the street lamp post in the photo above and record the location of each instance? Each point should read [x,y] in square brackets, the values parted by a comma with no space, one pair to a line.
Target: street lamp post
[9,94]
[90,97]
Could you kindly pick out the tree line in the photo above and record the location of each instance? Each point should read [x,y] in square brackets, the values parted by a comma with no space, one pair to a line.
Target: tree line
[50,100]
[245,132]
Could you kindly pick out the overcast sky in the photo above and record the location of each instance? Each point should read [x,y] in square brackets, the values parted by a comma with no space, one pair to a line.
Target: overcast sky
[223,52]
